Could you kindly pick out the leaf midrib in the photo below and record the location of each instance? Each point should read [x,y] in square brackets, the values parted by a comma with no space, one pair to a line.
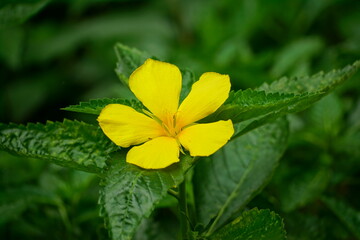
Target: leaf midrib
[229,200]
[131,191]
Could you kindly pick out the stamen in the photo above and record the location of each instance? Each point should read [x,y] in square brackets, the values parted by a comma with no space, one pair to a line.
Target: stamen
[166,128]
[180,147]
[151,115]
[174,120]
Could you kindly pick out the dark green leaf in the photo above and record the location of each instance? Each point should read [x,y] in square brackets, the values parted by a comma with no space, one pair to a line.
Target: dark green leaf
[96,34]
[304,188]
[14,201]
[162,226]
[71,143]
[255,225]
[349,216]
[129,194]
[12,43]
[128,60]
[349,140]
[302,225]
[188,79]
[227,181]
[350,143]
[16,13]
[95,106]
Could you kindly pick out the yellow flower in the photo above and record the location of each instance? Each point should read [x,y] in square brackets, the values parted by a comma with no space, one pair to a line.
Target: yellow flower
[163,130]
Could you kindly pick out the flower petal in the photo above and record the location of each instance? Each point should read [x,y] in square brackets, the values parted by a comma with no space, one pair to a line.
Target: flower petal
[126,127]
[205,97]
[157,85]
[205,139]
[155,154]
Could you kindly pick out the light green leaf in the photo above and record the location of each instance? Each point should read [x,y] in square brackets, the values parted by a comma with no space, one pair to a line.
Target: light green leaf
[129,194]
[254,108]
[227,181]
[255,225]
[349,216]
[248,104]
[96,105]
[320,83]
[295,53]
[16,13]
[71,143]
[325,116]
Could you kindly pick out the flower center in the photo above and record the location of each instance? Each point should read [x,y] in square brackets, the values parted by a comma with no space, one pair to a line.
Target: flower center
[170,127]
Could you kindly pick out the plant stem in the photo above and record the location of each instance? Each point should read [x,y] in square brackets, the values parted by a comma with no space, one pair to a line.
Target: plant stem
[173,193]
[184,223]
[64,215]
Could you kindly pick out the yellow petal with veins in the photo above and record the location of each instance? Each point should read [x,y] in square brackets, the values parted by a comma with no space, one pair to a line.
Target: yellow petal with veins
[205,97]
[126,127]
[155,154]
[206,138]
[157,85]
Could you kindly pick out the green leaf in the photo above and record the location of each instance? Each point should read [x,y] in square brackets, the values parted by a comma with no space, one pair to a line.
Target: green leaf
[129,194]
[304,188]
[255,225]
[297,52]
[227,181]
[304,225]
[129,59]
[325,117]
[349,216]
[15,201]
[96,34]
[16,13]
[349,143]
[188,80]
[12,43]
[320,83]
[254,108]
[247,104]
[70,144]
[163,225]
[96,105]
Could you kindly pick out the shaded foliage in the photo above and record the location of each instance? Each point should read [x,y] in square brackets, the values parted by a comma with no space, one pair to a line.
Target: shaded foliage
[55,54]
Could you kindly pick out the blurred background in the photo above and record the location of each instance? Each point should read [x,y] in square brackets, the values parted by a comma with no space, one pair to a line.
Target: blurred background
[57,53]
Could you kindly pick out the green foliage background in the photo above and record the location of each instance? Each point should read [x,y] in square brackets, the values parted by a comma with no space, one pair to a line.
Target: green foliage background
[58,53]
